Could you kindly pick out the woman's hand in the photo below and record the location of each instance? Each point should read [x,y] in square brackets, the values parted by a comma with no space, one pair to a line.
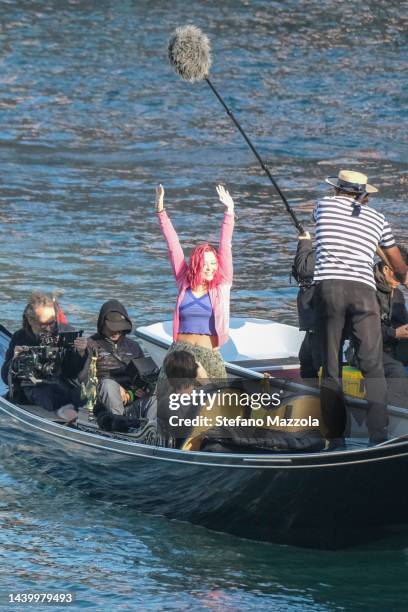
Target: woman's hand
[225,198]
[160,198]
[202,376]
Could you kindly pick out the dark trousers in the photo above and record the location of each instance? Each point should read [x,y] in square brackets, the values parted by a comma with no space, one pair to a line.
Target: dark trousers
[310,356]
[397,379]
[109,396]
[52,396]
[400,352]
[353,305]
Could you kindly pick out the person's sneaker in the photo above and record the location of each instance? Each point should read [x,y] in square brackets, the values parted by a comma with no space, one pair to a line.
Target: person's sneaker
[112,422]
[104,420]
[333,444]
[120,424]
[67,413]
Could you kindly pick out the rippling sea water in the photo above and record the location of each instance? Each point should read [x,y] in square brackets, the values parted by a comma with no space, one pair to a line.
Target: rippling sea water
[91,119]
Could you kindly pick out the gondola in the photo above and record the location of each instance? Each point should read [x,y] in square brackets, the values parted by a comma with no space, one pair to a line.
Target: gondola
[317,499]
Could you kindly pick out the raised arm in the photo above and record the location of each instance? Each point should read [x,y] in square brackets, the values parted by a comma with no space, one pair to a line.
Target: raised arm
[176,255]
[227,228]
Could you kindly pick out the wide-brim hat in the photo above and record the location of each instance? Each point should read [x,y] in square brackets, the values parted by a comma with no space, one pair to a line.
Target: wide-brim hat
[354,182]
[117,322]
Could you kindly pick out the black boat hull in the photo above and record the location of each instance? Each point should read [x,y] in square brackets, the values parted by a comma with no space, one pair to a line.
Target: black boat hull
[318,499]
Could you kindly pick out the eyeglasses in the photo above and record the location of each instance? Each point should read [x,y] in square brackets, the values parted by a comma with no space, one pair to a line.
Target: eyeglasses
[46,324]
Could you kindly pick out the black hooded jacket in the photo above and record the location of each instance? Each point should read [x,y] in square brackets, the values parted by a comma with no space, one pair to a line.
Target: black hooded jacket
[303,271]
[392,308]
[112,358]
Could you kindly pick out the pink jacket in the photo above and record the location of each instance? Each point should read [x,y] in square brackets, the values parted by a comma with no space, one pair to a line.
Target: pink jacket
[220,295]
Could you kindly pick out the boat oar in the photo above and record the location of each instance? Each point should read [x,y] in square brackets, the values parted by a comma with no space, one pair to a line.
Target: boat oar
[190,56]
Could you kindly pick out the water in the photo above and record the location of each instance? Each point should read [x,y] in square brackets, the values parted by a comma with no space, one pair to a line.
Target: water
[110,556]
[91,119]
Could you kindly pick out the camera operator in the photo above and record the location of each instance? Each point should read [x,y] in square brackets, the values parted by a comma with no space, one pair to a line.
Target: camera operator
[114,353]
[41,327]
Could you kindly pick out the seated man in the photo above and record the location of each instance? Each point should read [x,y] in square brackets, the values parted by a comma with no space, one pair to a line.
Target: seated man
[113,352]
[394,328]
[394,325]
[148,416]
[41,326]
[196,414]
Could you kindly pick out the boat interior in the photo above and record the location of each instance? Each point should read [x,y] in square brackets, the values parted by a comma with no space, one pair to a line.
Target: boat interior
[300,401]
[278,373]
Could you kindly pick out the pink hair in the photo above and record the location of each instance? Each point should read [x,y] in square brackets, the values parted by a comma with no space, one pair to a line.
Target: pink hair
[61,318]
[196,266]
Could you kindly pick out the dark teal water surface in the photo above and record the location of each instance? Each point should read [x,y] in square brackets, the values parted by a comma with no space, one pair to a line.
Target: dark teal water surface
[91,119]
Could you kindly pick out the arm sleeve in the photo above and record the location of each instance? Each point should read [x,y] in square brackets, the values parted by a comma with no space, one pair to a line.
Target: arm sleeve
[387,239]
[83,373]
[225,248]
[136,350]
[399,313]
[7,360]
[388,332]
[73,363]
[305,260]
[176,256]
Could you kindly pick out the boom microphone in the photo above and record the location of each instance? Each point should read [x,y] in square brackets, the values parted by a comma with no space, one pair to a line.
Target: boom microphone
[190,56]
[190,53]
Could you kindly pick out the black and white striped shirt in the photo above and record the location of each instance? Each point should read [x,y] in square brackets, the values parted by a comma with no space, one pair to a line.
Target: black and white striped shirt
[347,236]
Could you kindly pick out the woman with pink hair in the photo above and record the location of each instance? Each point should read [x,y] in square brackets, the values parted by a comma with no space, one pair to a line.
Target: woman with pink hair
[201,316]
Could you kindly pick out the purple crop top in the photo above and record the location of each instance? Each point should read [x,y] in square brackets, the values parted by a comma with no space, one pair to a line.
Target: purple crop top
[196,315]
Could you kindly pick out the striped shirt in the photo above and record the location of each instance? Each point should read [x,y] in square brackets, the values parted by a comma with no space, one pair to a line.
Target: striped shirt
[347,236]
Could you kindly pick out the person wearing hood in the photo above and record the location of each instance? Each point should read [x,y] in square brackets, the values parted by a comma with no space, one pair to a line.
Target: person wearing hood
[310,354]
[42,319]
[114,351]
[310,357]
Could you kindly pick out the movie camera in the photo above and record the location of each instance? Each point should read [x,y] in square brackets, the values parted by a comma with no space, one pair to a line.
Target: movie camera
[43,362]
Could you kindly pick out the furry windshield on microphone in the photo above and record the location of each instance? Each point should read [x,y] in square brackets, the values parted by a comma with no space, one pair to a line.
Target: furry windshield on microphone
[190,53]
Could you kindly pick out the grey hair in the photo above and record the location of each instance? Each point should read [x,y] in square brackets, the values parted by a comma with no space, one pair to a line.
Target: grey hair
[190,53]
[36,300]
